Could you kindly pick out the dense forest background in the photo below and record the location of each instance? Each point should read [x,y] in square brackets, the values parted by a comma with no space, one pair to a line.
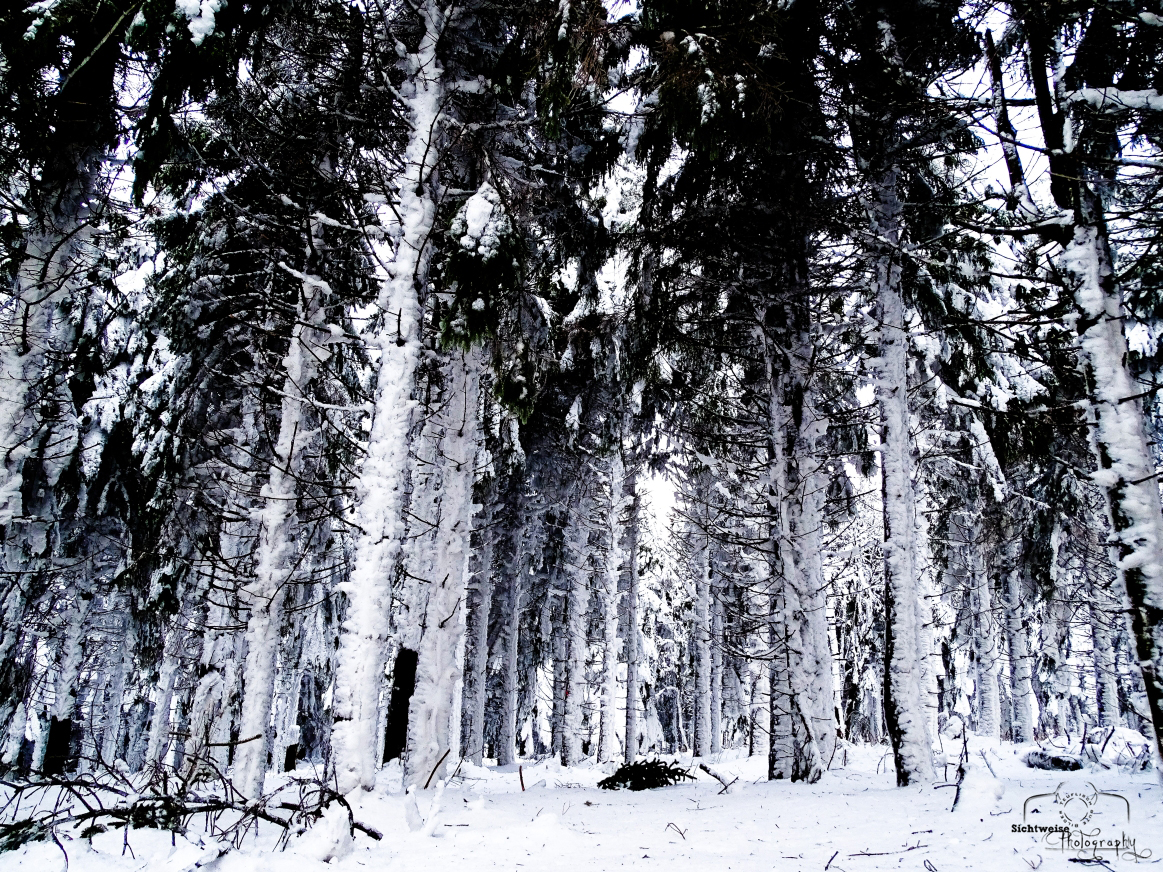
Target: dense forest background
[504,378]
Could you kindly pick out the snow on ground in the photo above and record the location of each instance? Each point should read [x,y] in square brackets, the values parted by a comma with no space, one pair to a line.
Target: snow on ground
[852,820]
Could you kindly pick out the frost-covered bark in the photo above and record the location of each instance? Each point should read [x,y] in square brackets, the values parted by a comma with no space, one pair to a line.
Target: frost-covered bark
[554,629]
[904,700]
[609,746]
[701,643]
[577,608]
[115,691]
[1126,468]
[35,332]
[38,421]
[794,750]
[276,560]
[1102,621]
[633,696]
[475,690]
[985,649]
[507,737]
[1021,687]
[717,677]
[163,697]
[814,631]
[379,491]
[443,503]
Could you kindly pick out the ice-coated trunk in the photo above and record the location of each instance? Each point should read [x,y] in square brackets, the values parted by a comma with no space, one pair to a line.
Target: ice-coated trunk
[1106,674]
[276,559]
[284,739]
[904,699]
[1021,687]
[1126,468]
[701,633]
[34,331]
[475,690]
[717,677]
[37,416]
[556,618]
[814,631]
[781,747]
[794,751]
[1020,662]
[507,738]
[163,697]
[223,648]
[609,746]
[985,649]
[115,692]
[576,612]
[11,628]
[70,645]
[14,741]
[380,489]
[71,652]
[444,500]
[633,697]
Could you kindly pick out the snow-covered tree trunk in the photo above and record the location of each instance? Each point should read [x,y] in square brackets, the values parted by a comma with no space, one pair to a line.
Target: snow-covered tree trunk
[781,750]
[275,560]
[794,750]
[284,731]
[163,696]
[34,332]
[222,649]
[70,650]
[14,740]
[701,643]
[1021,688]
[609,748]
[444,500]
[1126,468]
[380,489]
[510,641]
[475,688]
[577,609]
[1106,675]
[554,630]
[633,696]
[814,630]
[985,647]
[115,692]
[904,699]
[716,676]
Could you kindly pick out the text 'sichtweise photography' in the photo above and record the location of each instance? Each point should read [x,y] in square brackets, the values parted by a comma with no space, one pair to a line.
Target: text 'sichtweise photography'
[581,435]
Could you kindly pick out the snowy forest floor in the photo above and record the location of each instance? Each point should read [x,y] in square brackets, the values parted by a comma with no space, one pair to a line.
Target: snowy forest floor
[853,819]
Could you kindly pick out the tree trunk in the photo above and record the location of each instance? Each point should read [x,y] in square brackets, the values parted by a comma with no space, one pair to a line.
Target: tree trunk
[716,675]
[609,747]
[276,560]
[1126,468]
[1103,614]
[701,640]
[904,701]
[507,738]
[985,646]
[163,697]
[577,611]
[380,489]
[445,501]
[115,693]
[476,691]
[1019,644]
[633,697]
